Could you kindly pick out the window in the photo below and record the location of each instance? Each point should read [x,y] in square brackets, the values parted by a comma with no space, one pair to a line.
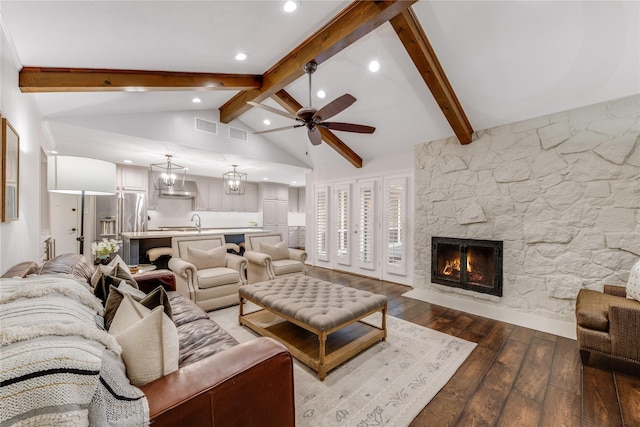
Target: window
[322,223]
[395,217]
[342,224]
[366,225]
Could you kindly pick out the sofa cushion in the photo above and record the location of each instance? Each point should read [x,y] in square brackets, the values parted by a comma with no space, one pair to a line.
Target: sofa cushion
[149,341]
[212,277]
[155,298]
[75,264]
[286,266]
[216,257]
[633,284]
[276,252]
[104,285]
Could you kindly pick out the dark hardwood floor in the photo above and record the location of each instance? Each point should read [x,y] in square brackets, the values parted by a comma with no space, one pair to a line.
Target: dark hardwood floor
[515,376]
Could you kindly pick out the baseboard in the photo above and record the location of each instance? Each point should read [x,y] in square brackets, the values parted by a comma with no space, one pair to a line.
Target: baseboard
[551,326]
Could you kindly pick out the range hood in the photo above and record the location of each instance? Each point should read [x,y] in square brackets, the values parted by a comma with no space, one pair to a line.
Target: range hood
[188,191]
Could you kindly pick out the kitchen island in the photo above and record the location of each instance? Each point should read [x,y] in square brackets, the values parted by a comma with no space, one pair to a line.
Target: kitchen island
[135,245]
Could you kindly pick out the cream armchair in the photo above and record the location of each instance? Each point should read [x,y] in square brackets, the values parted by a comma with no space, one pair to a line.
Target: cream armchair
[269,257]
[205,272]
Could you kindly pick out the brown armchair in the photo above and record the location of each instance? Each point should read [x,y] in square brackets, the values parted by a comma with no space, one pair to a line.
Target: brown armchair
[608,323]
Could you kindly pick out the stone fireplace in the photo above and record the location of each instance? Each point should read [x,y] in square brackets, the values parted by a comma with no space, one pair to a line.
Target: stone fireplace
[562,192]
[471,264]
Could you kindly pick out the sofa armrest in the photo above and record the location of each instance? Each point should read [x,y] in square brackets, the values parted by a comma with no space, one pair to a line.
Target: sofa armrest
[257,257]
[624,319]
[182,268]
[297,254]
[239,264]
[216,390]
[619,291]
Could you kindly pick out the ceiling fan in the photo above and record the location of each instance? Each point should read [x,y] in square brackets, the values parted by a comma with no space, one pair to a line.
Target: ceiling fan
[313,118]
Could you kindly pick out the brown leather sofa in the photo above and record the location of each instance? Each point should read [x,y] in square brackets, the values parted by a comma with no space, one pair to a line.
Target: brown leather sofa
[608,323]
[219,382]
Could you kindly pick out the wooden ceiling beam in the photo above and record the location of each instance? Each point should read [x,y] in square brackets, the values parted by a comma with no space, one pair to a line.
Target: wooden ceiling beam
[289,103]
[415,41]
[42,79]
[355,21]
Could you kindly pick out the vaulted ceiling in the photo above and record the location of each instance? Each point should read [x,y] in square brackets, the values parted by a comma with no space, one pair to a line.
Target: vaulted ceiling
[115,79]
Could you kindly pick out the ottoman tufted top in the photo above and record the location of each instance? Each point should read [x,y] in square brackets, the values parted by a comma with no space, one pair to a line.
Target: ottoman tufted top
[320,304]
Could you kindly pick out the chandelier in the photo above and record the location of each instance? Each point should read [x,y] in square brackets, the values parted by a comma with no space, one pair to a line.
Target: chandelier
[168,175]
[234,182]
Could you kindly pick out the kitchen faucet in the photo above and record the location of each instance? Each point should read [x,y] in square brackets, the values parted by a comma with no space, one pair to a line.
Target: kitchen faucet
[197,217]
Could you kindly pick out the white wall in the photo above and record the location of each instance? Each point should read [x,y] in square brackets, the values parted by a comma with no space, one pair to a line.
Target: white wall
[563,193]
[20,240]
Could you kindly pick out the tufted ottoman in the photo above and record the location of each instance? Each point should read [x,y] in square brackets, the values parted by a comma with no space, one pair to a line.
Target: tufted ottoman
[319,307]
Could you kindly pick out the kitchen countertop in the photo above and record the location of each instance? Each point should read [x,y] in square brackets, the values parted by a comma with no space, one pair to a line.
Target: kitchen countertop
[204,232]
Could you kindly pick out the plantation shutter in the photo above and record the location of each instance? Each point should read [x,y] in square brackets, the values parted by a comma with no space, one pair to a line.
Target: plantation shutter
[395,218]
[342,197]
[366,225]
[322,223]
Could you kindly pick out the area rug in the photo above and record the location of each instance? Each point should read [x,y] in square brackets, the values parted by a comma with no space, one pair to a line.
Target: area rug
[387,384]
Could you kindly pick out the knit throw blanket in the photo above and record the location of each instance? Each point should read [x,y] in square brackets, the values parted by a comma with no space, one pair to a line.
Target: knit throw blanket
[58,367]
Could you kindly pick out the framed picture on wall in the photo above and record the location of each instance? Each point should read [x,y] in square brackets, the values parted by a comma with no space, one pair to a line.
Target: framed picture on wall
[10,161]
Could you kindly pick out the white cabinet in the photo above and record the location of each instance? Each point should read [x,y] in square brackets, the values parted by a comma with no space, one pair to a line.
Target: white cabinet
[293,199]
[297,199]
[132,178]
[251,197]
[209,195]
[273,191]
[152,195]
[275,217]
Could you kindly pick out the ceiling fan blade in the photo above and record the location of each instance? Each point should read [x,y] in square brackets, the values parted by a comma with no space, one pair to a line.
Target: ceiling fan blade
[271,109]
[314,136]
[277,129]
[347,127]
[334,107]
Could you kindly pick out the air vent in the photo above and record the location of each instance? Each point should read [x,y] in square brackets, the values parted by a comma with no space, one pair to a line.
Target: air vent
[206,126]
[239,134]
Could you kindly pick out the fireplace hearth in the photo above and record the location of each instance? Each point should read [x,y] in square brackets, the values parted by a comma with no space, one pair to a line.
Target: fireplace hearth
[470,264]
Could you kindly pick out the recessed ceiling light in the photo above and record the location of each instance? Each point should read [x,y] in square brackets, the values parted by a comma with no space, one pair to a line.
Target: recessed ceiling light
[265,179]
[293,182]
[267,122]
[374,66]
[54,152]
[196,100]
[134,89]
[127,161]
[321,94]
[241,56]
[290,6]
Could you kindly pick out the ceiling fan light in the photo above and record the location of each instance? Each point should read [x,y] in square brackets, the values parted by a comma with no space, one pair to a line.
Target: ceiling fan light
[321,94]
[374,66]
[241,56]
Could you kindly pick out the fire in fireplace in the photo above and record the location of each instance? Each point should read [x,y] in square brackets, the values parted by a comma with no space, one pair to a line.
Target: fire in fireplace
[468,264]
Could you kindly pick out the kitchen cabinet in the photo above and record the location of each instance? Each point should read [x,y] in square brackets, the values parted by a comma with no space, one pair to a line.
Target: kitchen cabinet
[152,195]
[275,217]
[272,191]
[247,202]
[209,195]
[132,178]
[293,199]
[297,199]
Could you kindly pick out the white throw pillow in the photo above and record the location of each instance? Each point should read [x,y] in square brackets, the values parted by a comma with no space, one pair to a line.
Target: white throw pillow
[277,252]
[216,257]
[633,284]
[149,341]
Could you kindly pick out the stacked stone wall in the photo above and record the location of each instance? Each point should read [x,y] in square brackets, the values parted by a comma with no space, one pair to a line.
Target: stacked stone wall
[562,191]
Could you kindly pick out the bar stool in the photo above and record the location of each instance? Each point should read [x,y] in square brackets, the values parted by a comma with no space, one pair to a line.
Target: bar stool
[160,256]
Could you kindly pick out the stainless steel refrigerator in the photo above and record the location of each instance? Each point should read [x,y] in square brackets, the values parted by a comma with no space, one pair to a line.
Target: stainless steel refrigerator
[122,212]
